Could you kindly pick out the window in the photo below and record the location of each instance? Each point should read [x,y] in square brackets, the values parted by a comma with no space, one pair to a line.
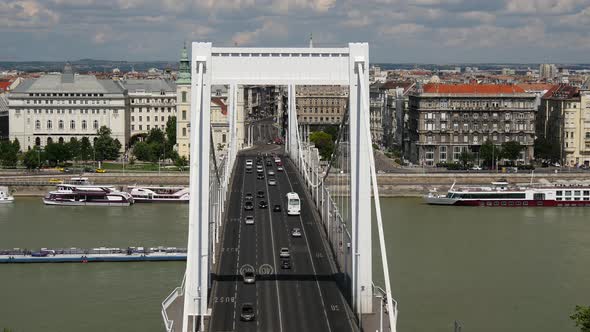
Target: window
[95,124]
[148,127]
[60,124]
[184,115]
[72,124]
[132,127]
[49,124]
[183,132]
[442,153]
[83,124]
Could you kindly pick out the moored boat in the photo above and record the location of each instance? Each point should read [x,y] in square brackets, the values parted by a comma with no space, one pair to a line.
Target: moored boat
[5,196]
[503,194]
[80,195]
[146,194]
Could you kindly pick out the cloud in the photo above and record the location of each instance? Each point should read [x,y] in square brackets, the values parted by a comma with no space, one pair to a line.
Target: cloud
[397,30]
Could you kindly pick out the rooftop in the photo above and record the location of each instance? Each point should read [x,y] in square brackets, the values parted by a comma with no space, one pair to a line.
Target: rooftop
[158,85]
[535,86]
[562,91]
[81,84]
[472,89]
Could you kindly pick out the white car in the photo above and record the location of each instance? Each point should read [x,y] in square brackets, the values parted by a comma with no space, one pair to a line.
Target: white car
[271,172]
[296,232]
[249,162]
[280,169]
[249,220]
[476,168]
[272,182]
[284,253]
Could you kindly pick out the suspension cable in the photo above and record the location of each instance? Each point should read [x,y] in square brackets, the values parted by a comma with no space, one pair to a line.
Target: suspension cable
[212,148]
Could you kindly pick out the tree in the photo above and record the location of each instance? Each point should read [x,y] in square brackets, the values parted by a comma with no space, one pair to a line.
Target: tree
[137,138]
[56,153]
[323,142]
[32,158]
[142,151]
[582,318]
[511,150]
[105,147]
[171,130]
[489,152]
[181,162]
[73,146]
[466,157]
[332,130]
[9,153]
[86,150]
[546,150]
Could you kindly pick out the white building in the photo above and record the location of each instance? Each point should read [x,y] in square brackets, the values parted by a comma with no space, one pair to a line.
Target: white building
[59,107]
[151,103]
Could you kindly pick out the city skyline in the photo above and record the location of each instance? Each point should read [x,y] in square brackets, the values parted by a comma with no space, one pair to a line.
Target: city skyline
[399,31]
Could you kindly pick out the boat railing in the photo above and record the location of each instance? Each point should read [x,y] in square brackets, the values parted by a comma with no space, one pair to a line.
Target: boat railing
[178,291]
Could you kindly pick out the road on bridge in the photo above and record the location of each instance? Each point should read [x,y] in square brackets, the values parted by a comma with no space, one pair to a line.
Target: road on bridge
[303,298]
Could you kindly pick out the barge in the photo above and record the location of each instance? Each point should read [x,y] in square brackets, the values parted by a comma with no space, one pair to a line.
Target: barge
[102,254]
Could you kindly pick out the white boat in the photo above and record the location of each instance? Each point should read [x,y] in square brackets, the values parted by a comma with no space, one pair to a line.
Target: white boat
[81,195]
[146,194]
[5,196]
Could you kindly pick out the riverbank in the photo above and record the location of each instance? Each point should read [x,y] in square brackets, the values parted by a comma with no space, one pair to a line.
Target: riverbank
[390,185]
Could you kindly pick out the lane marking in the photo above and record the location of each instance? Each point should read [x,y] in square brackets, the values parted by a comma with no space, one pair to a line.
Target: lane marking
[311,258]
[274,255]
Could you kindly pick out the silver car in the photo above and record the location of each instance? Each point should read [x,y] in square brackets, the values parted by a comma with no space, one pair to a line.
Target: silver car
[249,220]
[272,182]
[284,253]
[271,172]
[296,232]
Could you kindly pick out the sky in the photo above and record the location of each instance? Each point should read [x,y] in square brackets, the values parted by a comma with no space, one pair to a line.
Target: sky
[398,31]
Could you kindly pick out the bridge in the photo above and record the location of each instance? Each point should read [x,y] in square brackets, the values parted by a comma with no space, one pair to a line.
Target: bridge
[327,283]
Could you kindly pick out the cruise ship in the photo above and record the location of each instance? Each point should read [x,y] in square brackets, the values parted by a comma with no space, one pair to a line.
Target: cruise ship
[503,194]
[80,195]
[146,194]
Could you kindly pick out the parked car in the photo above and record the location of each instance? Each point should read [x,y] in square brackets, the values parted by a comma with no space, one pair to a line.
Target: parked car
[100,170]
[284,253]
[247,312]
[56,181]
[476,168]
[296,232]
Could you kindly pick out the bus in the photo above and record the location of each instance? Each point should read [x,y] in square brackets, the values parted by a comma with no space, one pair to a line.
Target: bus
[293,204]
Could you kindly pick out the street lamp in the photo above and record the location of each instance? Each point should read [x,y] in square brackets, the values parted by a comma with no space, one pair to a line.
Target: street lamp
[380,297]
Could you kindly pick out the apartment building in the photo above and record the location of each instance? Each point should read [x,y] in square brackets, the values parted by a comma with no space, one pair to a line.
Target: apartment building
[447,119]
[152,102]
[60,107]
[564,120]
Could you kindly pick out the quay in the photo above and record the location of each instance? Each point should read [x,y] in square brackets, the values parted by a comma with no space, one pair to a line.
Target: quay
[102,254]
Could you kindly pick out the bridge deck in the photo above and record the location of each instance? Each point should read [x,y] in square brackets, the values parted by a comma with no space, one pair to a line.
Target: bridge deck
[303,298]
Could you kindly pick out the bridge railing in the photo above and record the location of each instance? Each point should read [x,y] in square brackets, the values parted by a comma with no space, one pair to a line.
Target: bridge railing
[178,291]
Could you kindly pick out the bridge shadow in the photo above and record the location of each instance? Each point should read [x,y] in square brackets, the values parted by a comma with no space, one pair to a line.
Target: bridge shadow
[335,277]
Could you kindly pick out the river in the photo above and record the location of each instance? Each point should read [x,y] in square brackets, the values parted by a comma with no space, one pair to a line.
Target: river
[491,269]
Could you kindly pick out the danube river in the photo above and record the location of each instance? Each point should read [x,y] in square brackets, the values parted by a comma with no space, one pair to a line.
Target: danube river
[492,269]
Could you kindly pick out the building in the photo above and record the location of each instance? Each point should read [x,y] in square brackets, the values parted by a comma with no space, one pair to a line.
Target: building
[152,102]
[60,107]
[219,112]
[547,71]
[564,121]
[319,106]
[3,116]
[392,97]
[183,104]
[447,119]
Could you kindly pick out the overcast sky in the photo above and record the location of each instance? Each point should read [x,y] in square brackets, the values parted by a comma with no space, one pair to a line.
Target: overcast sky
[424,31]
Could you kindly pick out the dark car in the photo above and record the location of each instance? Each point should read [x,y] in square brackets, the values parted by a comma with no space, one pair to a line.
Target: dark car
[268,163]
[260,194]
[260,176]
[262,204]
[247,313]
[277,208]
[248,205]
[285,264]
[248,196]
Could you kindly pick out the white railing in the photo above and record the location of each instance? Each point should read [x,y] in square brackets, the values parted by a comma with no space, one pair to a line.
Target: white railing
[178,291]
[378,292]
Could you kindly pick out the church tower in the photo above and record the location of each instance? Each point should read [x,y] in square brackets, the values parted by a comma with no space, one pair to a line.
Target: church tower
[183,104]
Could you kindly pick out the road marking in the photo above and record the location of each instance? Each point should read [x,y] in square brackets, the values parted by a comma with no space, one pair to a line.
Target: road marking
[311,258]
[274,254]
